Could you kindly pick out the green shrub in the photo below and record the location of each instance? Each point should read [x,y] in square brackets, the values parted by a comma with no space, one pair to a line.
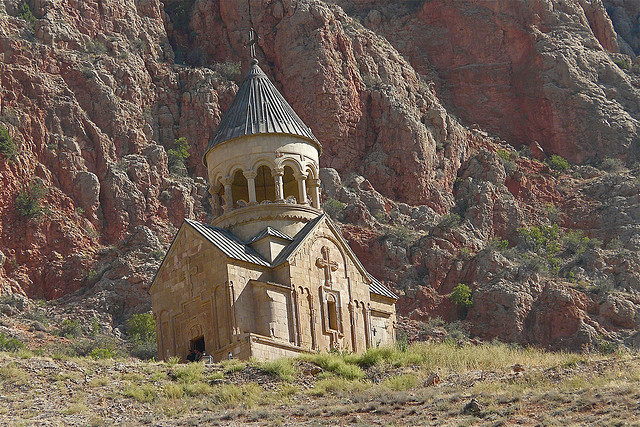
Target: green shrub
[575,242]
[26,14]
[70,328]
[280,368]
[28,201]
[333,207]
[506,160]
[338,386]
[401,382]
[103,353]
[190,373]
[144,350]
[557,163]
[10,343]
[177,156]
[157,254]
[336,364]
[173,391]
[401,233]
[144,393]
[450,221]
[498,244]
[233,365]
[503,154]
[461,296]
[7,146]
[611,165]
[141,329]
[622,63]
[196,389]
[543,238]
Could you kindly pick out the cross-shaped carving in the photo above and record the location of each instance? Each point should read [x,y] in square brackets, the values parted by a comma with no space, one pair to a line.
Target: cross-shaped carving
[327,265]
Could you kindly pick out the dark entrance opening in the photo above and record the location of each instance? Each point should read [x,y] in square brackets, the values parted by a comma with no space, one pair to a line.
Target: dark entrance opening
[198,344]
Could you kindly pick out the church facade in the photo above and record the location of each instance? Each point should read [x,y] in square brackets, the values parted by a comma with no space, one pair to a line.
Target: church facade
[271,276]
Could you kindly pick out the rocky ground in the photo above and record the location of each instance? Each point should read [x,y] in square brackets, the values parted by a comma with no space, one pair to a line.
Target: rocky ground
[470,388]
[445,128]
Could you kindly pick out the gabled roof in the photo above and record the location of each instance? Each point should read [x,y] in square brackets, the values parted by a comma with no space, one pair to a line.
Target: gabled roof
[229,244]
[376,287]
[258,108]
[269,231]
[297,241]
[235,248]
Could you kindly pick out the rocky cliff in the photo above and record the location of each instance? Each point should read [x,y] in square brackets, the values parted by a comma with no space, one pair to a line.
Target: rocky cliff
[438,120]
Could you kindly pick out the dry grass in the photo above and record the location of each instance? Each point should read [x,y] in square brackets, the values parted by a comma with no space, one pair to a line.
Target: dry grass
[383,386]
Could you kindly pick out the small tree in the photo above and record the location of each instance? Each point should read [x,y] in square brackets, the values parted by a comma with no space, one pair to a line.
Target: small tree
[177,156]
[461,296]
[141,329]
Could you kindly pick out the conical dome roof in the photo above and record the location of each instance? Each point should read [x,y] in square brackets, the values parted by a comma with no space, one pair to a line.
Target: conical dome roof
[259,108]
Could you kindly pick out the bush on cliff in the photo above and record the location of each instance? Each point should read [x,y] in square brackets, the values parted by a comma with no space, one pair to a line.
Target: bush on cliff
[461,296]
[558,163]
[28,201]
[7,146]
[177,156]
[26,14]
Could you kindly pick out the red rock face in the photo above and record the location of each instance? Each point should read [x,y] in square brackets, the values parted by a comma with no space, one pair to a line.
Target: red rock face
[96,92]
[520,69]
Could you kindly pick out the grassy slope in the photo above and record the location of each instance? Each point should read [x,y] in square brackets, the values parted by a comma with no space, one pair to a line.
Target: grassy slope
[383,386]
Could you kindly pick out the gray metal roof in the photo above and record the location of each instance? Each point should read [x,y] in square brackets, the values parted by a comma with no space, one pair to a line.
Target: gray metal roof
[297,240]
[269,231]
[376,287]
[234,248]
[257,108]
[229,244]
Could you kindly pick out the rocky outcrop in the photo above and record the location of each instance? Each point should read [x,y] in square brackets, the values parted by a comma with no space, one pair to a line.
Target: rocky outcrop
[625,15]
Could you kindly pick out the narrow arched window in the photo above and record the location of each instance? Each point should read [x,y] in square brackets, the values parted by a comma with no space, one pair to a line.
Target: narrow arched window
[239,188]
[332,312]
[289,184]
[265,185]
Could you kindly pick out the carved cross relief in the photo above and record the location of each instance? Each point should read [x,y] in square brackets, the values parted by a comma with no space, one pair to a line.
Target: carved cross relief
[328,266]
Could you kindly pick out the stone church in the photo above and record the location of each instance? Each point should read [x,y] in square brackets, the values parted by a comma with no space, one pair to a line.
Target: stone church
[271,275]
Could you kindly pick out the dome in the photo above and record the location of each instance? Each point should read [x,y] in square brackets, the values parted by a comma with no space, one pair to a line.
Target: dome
[258,108]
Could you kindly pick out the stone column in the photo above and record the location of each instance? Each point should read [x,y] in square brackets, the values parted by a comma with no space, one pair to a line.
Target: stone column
[228,196]
[352,322]
[315,193]
[302,188]
[312,312]
[214,200]
[367,324]
[251,182]
[277,179]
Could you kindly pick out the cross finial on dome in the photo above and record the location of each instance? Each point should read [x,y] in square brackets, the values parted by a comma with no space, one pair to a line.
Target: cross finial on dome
[253,39]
